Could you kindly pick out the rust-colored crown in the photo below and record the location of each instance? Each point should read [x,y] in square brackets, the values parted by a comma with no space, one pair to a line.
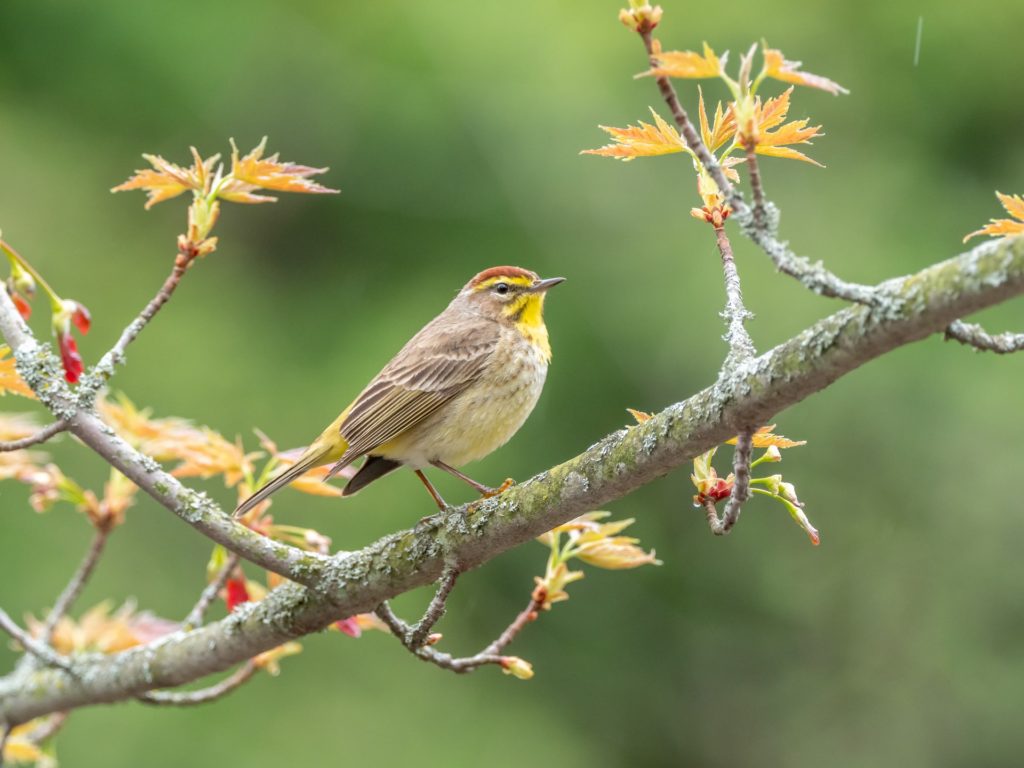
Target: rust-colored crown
[510,272]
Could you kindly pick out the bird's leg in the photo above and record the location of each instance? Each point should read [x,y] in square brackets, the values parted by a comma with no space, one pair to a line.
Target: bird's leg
[484,490]
[441,505]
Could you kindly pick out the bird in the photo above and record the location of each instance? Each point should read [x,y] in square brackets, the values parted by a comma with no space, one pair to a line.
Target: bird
[457,391]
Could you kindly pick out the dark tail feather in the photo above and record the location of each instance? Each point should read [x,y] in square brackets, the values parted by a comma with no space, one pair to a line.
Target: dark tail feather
[373,468]
[302,465]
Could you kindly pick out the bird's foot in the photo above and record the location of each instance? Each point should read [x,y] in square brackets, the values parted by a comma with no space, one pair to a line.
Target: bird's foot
[488,493]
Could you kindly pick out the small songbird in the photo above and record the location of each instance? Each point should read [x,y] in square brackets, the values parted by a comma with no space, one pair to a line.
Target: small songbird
[457,391]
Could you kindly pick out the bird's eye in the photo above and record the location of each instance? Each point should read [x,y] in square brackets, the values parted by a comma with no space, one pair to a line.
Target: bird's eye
[501,288]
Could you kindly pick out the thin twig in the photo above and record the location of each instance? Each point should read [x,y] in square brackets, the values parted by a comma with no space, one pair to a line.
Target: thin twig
[203,695]
[40,650]
[489,655]
[41,436]
[209,594]
[720,526]
[741,348]
[76,584]
[527,615]
[975,336]
[129,334]
[429,654]
[418,633]
[756,186]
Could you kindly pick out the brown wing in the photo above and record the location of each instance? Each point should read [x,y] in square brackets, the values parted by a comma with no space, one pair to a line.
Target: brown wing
[438,363]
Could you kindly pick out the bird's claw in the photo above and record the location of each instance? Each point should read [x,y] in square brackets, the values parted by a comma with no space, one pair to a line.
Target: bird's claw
[492,492]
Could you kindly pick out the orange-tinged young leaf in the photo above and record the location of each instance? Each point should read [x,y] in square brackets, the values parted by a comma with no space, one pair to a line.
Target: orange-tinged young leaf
[642,140]
[15,426]
[101,631]
[208,454]
[766,116]
[724,126]
[23,466]
[165,180]
[1014,205]
[10,381]
[776,66]
[118,494]
[796,132]
[201,451]
[19,749]
[764,438]
[640,416]
[271,660]
[553,585]
[686,64]
[773,111]
[616,553]
[253,171]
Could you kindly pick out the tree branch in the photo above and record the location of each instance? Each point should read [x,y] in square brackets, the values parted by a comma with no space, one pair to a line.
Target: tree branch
[104,369]
[77,582]
[975,336]
[741,350]
[756,186]
[911,309]
[740,487]
[417,634]
[41,651]
[204,695]
[459,665]
[527,615]
[41,436]
[741,347]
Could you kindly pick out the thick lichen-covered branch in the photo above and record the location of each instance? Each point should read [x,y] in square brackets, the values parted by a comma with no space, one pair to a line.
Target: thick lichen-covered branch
[911,309]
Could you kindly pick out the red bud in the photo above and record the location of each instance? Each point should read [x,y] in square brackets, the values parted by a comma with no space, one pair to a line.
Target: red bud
[235,593]
[23,307]
[81,318]
[73,366]
[349,626]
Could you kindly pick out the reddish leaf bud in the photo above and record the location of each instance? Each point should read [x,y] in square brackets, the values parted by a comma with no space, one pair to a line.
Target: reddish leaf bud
[73,366]
[235,593]
[349,626]
[23,307]
[81,318]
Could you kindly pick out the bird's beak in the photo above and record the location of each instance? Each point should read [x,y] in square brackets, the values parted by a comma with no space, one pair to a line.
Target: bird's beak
[542,285]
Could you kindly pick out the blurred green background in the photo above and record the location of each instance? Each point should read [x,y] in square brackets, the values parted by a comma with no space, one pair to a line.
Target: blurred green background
[453,130]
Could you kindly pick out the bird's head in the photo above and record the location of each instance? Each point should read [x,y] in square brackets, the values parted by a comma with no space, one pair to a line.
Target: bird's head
[511,295]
